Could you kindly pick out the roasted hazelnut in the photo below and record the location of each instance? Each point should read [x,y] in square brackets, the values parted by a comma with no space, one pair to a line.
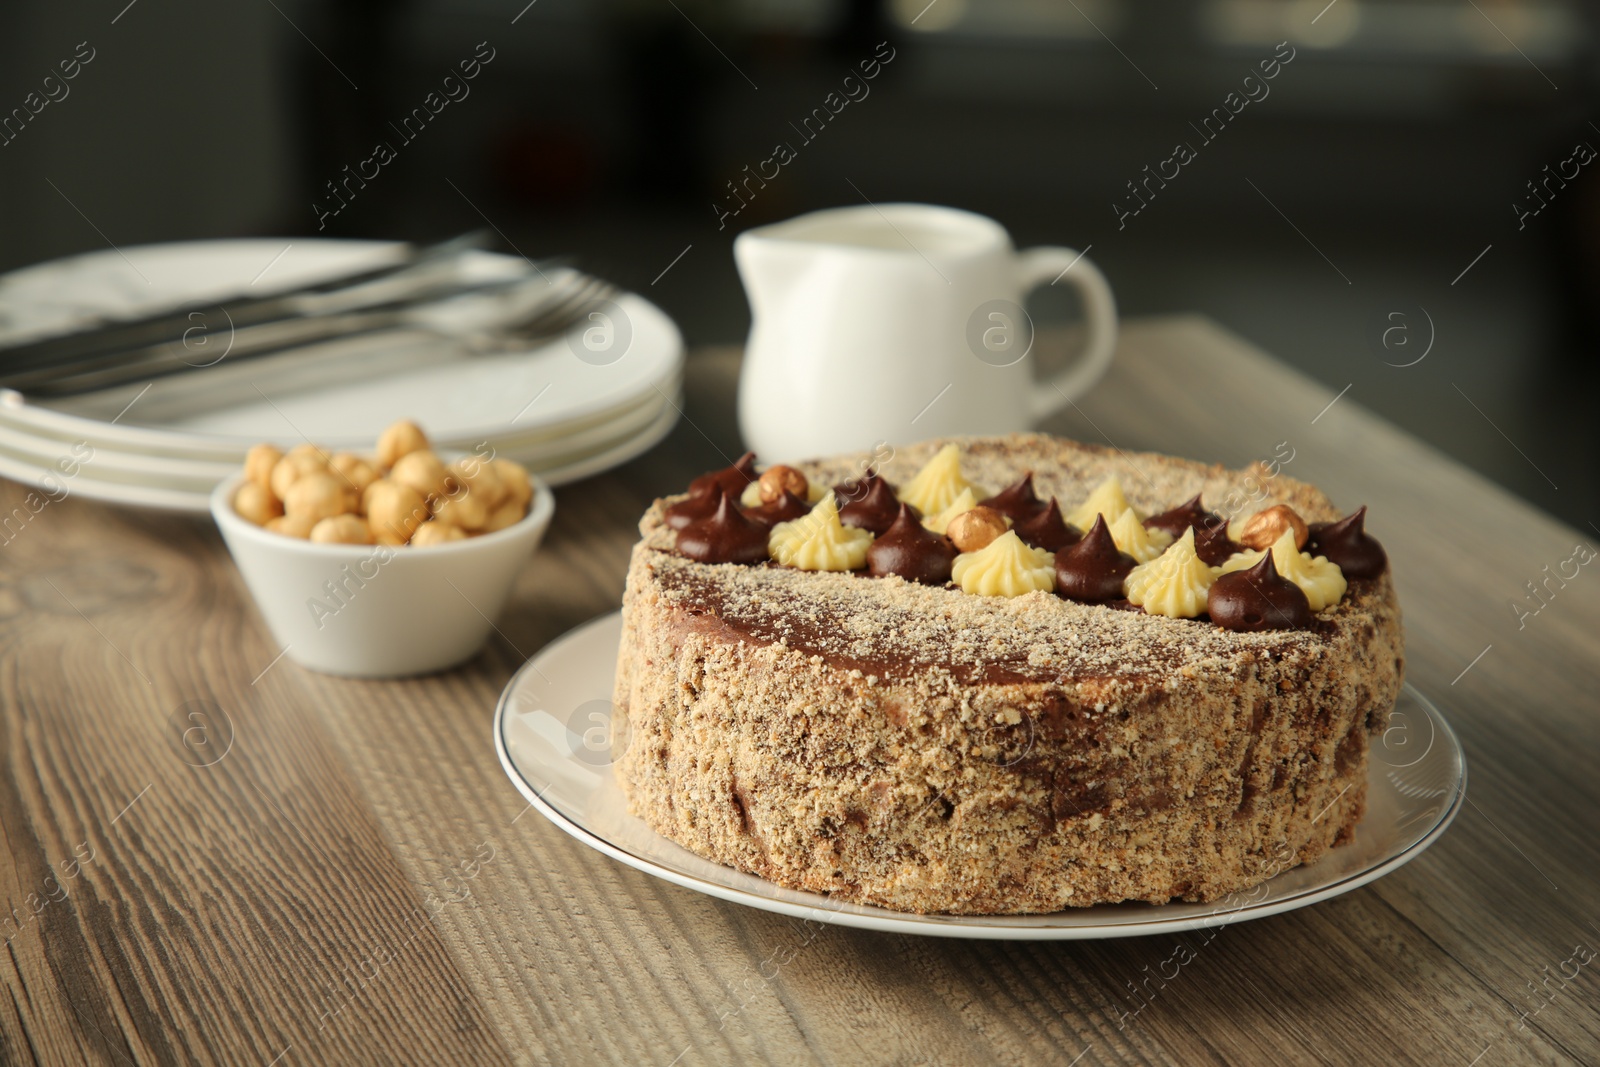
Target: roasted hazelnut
[317,495]
[255,503]
[422,471]
[401,439]
[515,478]
[508,514]
[434,532]
[777,480]
[296,463]
[354,470]
[258,464]
[480,478]
[405,494]
[342,530]
[1262,530]
[394,511]
[975,528]
[462,508]
[292,526]
[283,475]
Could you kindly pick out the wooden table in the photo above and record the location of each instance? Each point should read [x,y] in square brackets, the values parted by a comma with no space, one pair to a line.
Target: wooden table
[292,902]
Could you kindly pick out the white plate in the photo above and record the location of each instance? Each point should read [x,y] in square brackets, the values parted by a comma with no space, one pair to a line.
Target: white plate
[1415,786]
[142,496]
[110,464]
[468,396]
[64,294]
[113,465]
[562,416]
[584,467]
[31,470]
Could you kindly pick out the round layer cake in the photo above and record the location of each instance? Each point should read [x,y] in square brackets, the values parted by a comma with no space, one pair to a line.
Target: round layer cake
[924,749]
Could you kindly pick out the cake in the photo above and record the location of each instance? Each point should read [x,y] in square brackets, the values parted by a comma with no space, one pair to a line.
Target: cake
[991,745]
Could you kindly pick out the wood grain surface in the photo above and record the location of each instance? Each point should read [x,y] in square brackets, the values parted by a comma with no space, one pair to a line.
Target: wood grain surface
[216,857]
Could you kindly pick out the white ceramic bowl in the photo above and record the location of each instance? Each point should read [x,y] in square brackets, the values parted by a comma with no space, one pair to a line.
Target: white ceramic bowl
[373,611]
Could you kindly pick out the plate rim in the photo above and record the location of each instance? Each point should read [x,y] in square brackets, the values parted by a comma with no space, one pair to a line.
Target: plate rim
[17,418]
[114,465]
[197,502]
[133,436]
[957,925]
[621,452]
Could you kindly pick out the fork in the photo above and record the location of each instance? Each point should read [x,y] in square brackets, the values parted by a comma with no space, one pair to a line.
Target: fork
[521,313]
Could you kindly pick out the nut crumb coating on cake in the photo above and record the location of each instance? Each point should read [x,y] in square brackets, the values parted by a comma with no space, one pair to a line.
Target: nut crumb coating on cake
[926,750]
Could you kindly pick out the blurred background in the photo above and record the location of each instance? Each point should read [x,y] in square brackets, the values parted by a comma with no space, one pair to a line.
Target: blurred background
[1433,158]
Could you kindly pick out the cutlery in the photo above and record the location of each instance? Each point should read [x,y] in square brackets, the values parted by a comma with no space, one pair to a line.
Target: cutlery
[418,272]
[493,317]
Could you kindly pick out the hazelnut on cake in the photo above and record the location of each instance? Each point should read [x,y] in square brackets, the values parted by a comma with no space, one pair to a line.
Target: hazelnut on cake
[1004,675]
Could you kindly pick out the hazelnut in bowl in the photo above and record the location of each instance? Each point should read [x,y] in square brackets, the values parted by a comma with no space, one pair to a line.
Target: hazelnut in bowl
[385,566]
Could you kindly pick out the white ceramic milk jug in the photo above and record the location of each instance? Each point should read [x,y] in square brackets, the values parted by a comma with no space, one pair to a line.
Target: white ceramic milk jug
[897,322]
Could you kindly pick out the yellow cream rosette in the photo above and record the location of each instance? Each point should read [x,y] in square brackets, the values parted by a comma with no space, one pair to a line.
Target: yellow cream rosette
[940,523]
[939,483]
[818,541]
[1132,537]
[1107,499]
[1173,584]
[1006,567]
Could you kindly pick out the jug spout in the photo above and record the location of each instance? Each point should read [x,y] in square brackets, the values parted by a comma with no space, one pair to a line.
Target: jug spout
[769,267]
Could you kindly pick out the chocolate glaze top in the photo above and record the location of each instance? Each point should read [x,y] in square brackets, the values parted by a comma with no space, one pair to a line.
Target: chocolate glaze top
[731,480]
[1017,501]
[786,508]
[1347,543]
[912,551]
[875,509]
[1258,599]
[1048,530]
[1092,570]
[725,536]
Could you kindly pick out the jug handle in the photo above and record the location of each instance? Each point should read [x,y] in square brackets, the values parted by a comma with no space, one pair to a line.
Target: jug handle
[1051,265]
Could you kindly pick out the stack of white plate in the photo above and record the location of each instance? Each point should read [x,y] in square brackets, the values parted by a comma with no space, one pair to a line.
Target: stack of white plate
[562,409]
